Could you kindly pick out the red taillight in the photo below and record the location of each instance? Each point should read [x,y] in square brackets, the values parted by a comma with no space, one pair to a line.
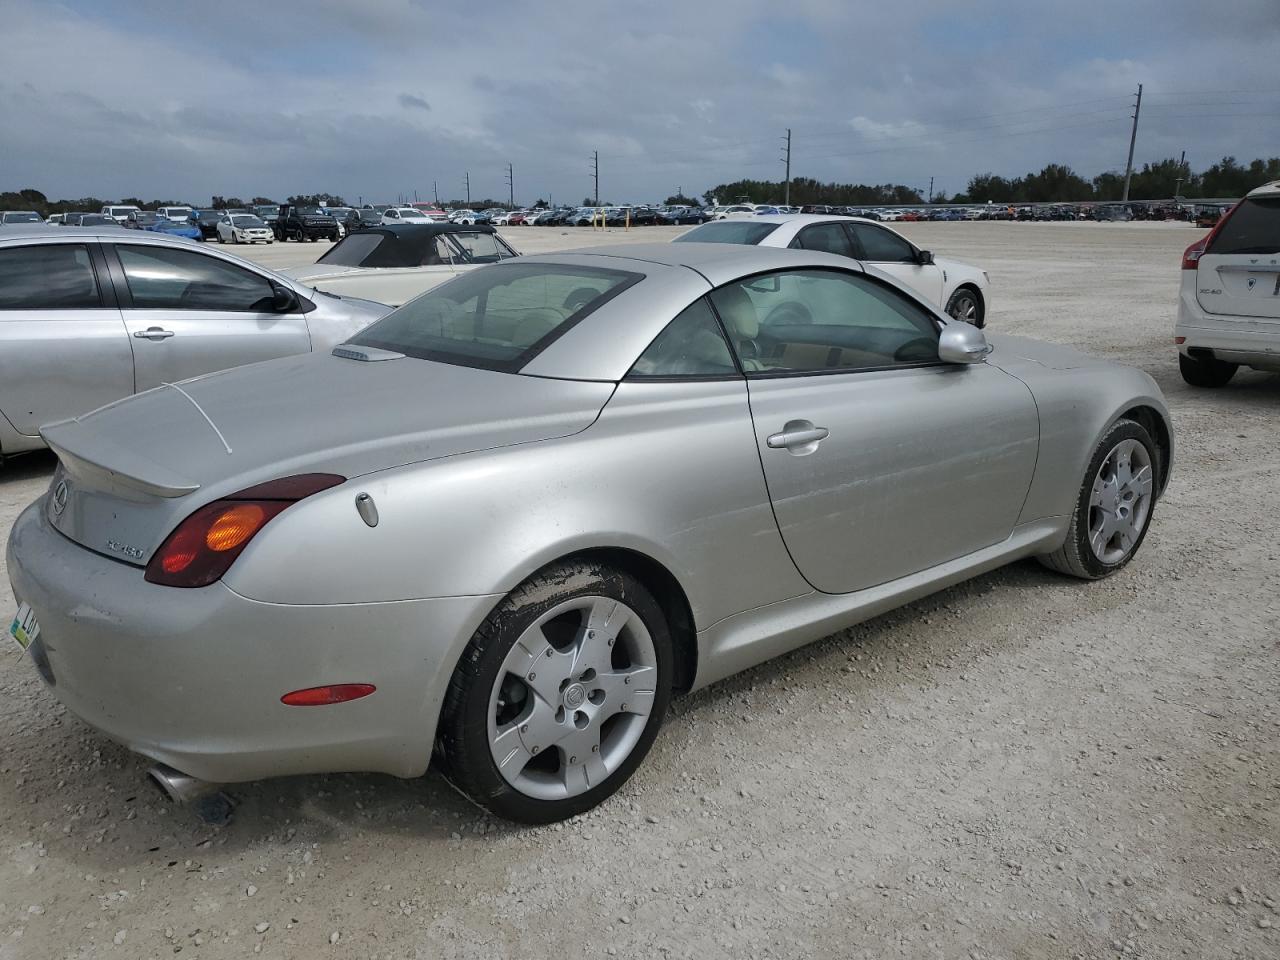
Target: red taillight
[204,545]
[1191,256]
[323,696]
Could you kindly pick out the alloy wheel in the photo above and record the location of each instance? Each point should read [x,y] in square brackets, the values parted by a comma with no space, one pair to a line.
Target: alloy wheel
[572,698]
[1120,501]
[964,306]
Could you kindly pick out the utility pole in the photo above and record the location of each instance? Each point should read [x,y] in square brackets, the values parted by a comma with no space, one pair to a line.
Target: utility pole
[1133,137]
[786,159]
[468,182]
[511,186]
[595,159]
[931,189]
[1182,166]
[435,192]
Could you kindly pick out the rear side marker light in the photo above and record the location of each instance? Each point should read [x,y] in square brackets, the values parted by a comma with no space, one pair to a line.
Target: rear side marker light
[323,696]
[1179,340]
[204,545]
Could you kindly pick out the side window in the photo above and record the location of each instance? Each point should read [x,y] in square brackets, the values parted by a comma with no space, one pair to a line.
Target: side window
[480,247]
[883,246]
[47,277]
[827,237]
[163,277]
[691,346]
[802,321]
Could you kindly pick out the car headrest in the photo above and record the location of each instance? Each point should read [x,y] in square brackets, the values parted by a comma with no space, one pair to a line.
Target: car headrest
[737,311]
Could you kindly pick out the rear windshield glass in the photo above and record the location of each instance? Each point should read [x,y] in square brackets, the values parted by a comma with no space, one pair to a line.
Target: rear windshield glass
[1254,227]
[728,231]
[499,317]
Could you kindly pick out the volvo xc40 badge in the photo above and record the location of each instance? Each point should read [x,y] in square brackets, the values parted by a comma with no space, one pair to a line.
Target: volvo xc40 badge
[59,498]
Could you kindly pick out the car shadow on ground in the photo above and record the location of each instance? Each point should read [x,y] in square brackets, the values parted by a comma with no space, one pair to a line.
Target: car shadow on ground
[27,466]
[336,807]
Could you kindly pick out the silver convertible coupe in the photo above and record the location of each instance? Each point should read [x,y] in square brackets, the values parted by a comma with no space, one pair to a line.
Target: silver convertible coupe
[504,524]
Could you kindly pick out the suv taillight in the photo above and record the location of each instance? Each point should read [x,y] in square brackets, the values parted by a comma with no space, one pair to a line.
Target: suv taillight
[1191,256]
[204,545]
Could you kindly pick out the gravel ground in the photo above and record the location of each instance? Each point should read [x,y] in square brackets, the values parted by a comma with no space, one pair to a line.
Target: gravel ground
[1021,766]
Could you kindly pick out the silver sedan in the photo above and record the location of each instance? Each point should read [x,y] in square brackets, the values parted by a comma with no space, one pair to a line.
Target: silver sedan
[503,525]
[91,315]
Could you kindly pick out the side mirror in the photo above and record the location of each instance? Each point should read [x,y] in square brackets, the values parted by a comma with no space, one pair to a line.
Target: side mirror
[924,257]
[962,342]
[284,300]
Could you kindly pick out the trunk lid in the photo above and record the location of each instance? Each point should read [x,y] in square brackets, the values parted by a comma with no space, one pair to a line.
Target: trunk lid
[131,471]
[1238,275]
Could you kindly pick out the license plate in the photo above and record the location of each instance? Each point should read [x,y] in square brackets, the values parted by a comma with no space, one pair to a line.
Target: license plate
[25,628]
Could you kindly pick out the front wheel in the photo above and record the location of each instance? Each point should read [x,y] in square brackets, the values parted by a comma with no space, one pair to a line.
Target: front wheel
[1114,506]
[559,695]
[1206,373]
[964,305]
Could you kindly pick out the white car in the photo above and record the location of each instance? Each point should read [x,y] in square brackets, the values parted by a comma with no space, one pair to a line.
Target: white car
[738,211]
[1229,304]
[501,219]
[393,264]
[118,212]
[394,215]
[961,290]
[244,228]
[180,214]
[465,217]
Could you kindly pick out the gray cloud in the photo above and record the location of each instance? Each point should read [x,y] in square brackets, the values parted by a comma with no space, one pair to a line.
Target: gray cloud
[410,102]
[671,94]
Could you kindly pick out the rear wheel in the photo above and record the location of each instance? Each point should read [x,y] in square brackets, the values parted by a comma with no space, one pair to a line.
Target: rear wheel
[1114,507]
[559,695]
[1206,373]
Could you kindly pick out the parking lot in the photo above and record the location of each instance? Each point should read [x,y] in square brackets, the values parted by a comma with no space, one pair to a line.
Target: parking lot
[1023,766]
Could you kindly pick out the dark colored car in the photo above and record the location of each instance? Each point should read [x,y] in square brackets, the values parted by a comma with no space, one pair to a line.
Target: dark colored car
[304,222]
[140,219]
[362,220]
[207,222]
[89,220]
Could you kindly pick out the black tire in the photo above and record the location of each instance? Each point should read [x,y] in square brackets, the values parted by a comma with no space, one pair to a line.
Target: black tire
[462,740]
[1075,557]
[1206,373]
[965,304]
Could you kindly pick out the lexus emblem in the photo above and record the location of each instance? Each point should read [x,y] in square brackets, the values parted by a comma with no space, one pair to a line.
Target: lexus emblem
[59,498]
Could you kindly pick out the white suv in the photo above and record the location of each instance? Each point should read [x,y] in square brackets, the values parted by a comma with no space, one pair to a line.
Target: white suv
[1229,307]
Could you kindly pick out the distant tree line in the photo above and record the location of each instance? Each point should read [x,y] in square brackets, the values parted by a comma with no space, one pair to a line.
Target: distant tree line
[805,191]
[1155,181]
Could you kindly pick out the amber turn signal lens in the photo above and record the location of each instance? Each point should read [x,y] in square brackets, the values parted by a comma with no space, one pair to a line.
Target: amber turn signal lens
[234,527]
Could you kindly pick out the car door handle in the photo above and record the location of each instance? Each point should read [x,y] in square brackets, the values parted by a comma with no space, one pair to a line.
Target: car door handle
[153,333]
[797,434]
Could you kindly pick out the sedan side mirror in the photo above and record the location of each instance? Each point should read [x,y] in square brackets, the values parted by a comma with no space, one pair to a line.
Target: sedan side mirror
[962,342]
[924,257]
[284,300]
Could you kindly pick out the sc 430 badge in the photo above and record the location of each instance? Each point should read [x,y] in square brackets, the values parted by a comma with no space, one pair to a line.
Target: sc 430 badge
[134,553]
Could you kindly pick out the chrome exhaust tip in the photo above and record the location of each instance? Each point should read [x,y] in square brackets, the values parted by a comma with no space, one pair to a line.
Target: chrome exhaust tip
[210,803]
[177,786]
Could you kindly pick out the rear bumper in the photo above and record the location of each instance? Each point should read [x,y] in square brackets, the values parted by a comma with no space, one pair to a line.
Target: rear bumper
[193,678]
[1248,341]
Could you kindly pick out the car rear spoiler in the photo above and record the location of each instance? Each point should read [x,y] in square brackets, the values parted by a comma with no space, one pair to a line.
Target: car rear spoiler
[93,457]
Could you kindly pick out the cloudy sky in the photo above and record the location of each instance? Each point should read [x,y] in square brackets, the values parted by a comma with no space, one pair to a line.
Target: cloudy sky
[379,98]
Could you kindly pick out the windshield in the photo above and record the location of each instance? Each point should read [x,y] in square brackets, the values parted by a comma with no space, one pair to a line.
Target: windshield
[22,217]
[481,247]
[246,220]
[1254,227]
[497,318]
[312,211]
[266,210]
[413,215]
[728,231]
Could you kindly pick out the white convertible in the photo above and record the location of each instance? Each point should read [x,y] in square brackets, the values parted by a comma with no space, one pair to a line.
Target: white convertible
[960,289]
[393,264]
